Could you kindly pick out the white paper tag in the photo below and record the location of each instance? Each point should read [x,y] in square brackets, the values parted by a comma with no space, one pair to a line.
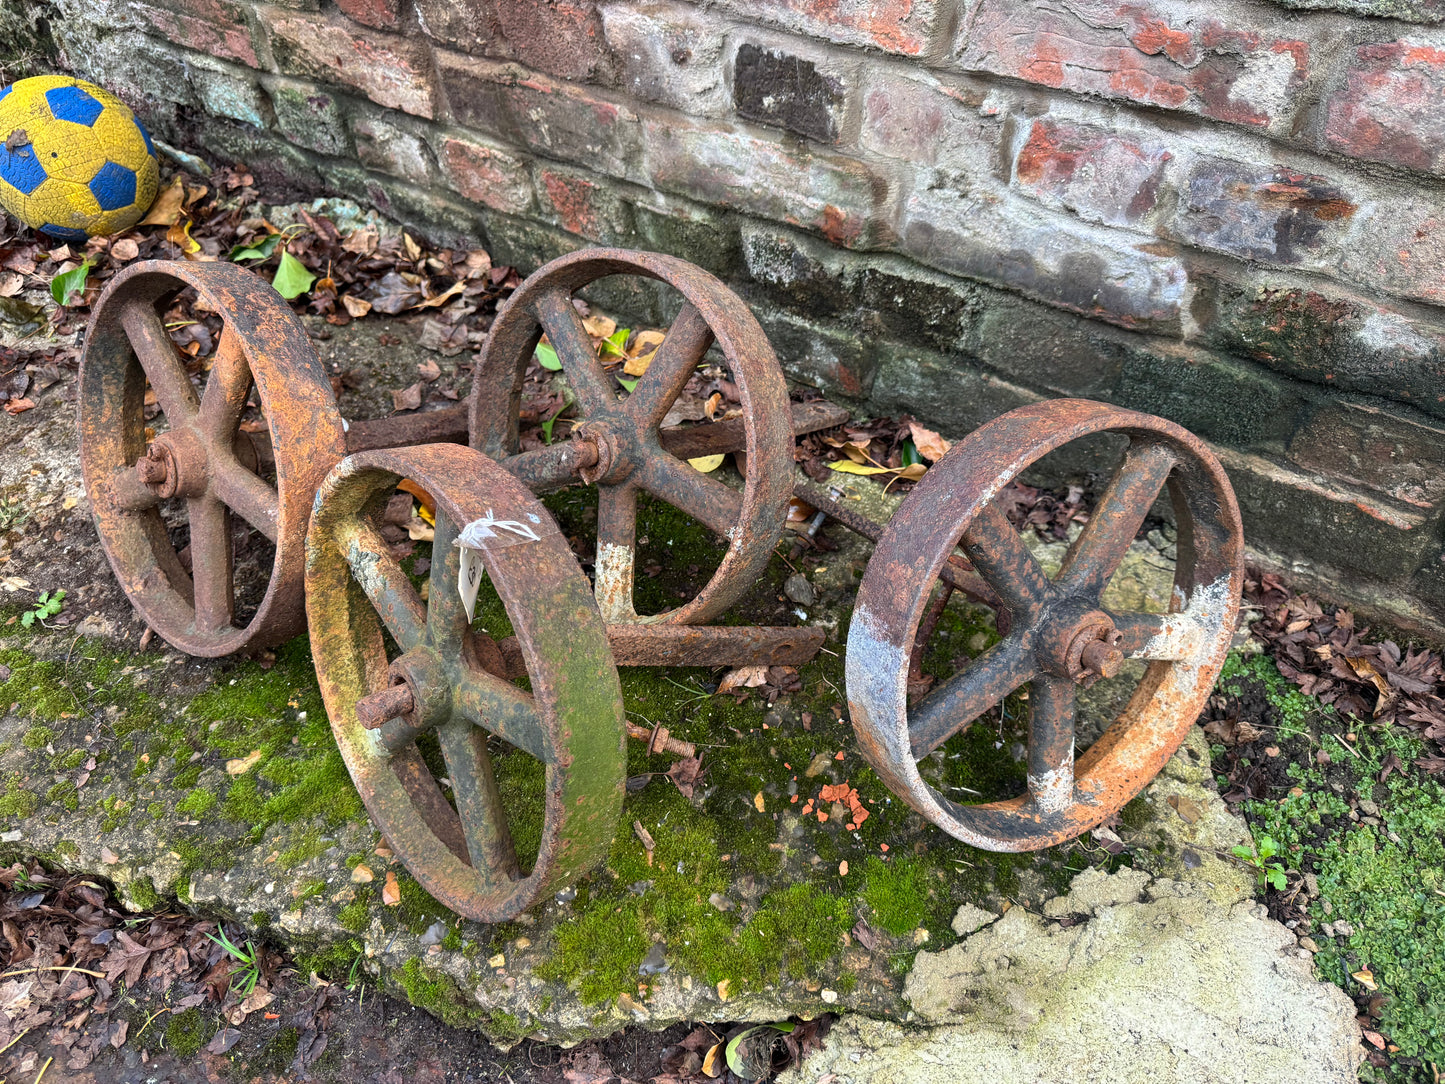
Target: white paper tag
[489,533]
[470,580]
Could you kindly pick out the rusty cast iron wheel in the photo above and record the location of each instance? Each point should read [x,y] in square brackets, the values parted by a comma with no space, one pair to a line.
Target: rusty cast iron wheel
[200,458]
[1060,636]
[448,679]
[616,443]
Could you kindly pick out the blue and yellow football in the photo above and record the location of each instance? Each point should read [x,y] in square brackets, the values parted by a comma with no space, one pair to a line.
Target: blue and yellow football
[75,161]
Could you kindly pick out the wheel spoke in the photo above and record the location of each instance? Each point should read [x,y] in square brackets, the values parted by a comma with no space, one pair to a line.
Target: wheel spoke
[162,364]
[952,706]
[613,569]
[384,583]
[1160,637]
[427,799]
[499,707]
[484,823]
[211,568]
[700,495]
[245,494]
[1051,743]
[545,468]
[226,389]
[129,493]
[999,555]
[686,342]
[1116,519]
[447,623]
[569,338]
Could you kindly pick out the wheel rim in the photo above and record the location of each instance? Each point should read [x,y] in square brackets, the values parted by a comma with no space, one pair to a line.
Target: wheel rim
[200,457]
[1058,626]
[573,721]
[616,443]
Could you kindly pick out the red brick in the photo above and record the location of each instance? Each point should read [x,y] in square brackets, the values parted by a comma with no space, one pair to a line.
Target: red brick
[390,71]
[1263,213]
[895,26]
[1392,106]
[1401,248]
[580,205]
[381,14]
[208,26]
[486,174]
[925,121]
[561,37]
[1096,174]
[471,25]
[1365,445]
[998,238]
[830,194]
[1179,58]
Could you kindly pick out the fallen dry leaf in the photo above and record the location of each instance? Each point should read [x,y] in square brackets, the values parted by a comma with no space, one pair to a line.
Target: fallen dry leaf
[362,875]
[407,398]
[429,370]
[744,677]
[1365,977]
[391,891]
[758,803]
[167,207]
[929,444]
[242,765]
[843,868]
[125,249]
[355,306]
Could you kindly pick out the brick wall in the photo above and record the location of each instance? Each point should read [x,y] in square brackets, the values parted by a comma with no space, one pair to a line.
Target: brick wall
[1227,213]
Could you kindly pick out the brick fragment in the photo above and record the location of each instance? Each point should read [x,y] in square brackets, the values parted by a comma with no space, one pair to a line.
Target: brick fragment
[1172,57]
[1325,523]
[777,87]
[1263,213]
[310,118]
[1370,446]
[1337,341]
[486,174]
[996,238]
[895,26]
[391,71]
[471,25]
[214,27]
[833,195]
[668,53]
[561,37]
[581,205]
[1100,176]
[383,146]
[381,14]
[1391,107]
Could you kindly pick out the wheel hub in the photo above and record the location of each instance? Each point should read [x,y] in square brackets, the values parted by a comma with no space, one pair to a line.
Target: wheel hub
[175,465]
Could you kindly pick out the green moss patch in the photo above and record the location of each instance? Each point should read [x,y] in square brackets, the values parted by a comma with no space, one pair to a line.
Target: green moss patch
[1372,840]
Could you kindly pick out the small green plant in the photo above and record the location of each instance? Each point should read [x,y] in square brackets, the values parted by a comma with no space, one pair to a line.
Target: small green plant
[1258,856]
[244,977]
[48,604]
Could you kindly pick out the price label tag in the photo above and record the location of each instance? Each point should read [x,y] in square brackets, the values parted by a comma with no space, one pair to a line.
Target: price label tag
[488,534]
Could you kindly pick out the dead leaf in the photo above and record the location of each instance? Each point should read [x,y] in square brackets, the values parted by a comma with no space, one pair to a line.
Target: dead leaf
[166,210]
[706,464]
[18,406]
[744,677]
[242,765]
[758,802]
[429,370]
[407,398]
[1365,977]
[722,989]
[257,999]
[1187,808]
[929,444]
[361,241]
[125,249]
[446,339]
[118,1029]
[391,891]
[1374,1038]
[712,1062]
[599,326]
[843,868]
[355,306]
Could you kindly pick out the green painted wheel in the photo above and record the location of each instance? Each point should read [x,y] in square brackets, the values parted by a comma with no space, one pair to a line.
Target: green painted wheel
[447,680]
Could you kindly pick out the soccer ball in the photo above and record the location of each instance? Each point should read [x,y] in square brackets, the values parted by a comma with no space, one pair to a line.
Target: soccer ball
[75,161]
